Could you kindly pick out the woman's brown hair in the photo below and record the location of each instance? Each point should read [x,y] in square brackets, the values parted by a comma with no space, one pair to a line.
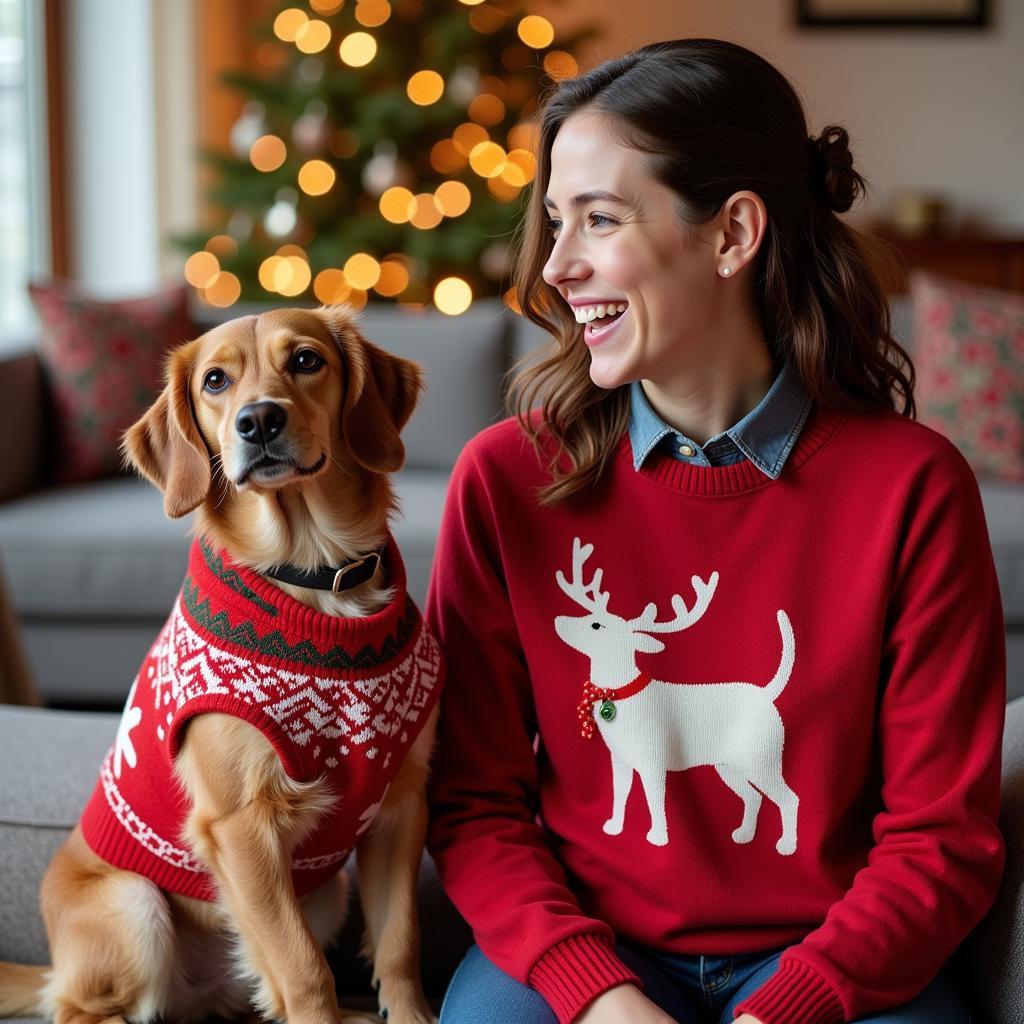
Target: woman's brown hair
[714,118]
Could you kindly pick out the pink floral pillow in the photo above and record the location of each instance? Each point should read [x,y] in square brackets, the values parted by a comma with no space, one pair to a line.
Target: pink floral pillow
[968,350]
[102,361]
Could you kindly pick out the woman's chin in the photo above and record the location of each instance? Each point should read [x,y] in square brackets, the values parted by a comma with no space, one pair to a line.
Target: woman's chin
[607,374]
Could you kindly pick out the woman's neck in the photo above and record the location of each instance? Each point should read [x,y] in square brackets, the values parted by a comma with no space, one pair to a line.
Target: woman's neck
[702,401]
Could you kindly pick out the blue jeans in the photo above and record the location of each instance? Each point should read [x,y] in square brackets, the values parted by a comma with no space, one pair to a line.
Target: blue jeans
[690,989]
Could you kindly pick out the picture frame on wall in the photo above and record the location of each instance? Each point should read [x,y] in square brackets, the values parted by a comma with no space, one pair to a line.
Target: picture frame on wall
[892,13]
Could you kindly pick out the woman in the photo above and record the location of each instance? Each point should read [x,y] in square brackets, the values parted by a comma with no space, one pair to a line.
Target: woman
[721,734]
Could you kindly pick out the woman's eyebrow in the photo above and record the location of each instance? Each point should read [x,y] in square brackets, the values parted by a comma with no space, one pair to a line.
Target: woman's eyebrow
[588,197]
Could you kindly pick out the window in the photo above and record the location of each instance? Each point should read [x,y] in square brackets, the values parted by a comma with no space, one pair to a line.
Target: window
[24,190]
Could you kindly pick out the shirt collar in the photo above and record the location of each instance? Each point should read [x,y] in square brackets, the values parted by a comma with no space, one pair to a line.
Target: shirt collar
[766,435]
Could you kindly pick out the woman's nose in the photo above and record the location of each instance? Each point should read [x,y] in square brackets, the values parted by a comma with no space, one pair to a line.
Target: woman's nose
[564,265]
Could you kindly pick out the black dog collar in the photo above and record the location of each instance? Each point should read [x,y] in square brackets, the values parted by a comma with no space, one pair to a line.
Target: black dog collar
[330,577]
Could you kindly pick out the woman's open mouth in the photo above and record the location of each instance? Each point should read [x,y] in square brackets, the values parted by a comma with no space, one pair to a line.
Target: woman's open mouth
[601,321]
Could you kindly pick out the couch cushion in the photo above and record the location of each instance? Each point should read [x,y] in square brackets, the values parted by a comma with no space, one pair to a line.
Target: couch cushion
[96,549]
[464,358]
[103,363]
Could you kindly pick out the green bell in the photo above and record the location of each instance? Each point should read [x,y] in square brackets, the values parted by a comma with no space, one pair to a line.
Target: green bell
[607,711]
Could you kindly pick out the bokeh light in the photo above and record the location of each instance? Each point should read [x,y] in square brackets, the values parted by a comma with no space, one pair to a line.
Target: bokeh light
[425,87]
[330,286]
[267,153]
[487,159]
[201,268]
[224,290]
[467,136]
[313,37]
[396,204]
[426,213]
[362,271]
[559,64]
[316,177]
[357,49]
[452,296]
[536,32]
[372,13]
[393,280]
[445,157]
[486,109]
[453,197]
[288,24]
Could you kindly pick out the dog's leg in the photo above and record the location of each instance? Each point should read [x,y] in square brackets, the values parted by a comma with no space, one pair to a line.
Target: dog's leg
[246,818]
[738,782]
[622,783]
[388,861]
[112,939]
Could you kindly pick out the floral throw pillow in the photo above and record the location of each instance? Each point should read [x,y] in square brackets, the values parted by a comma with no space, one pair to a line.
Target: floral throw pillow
[968,350]
[102,362]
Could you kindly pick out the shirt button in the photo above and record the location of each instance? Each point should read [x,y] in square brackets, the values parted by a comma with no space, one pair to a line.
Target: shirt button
[686,450]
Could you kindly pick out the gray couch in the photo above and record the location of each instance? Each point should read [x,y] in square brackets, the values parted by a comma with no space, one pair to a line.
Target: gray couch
[48,765]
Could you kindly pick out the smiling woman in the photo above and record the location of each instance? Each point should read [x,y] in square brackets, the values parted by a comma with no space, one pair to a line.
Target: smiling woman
[726,674]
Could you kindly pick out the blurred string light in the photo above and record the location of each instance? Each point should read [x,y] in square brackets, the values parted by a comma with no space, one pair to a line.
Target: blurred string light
[452,295]
[316,177]
[267,153]
[357,49]
[505,169]
[313,37]
[372,13]
[536,32]
[425,87]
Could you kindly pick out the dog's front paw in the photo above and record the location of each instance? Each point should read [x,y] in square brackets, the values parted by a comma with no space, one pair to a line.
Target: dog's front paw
[401,1001]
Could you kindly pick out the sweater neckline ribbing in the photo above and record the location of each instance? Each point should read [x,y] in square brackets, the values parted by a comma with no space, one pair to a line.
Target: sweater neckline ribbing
[709,481]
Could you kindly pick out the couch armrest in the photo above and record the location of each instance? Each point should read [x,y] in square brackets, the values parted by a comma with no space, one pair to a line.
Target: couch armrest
[995,950]
[21,400]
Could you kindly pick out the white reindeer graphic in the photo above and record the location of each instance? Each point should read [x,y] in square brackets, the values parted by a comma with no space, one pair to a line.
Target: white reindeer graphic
[653,727]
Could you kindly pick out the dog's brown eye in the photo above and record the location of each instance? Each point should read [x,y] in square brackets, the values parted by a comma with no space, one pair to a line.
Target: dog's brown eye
[307,361]
[214,381]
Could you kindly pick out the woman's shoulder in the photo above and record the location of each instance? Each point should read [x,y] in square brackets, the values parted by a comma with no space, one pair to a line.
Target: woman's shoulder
[899,445]
[508,446]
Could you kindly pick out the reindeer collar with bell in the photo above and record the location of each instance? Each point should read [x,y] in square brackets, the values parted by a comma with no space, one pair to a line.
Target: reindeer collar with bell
[608,696]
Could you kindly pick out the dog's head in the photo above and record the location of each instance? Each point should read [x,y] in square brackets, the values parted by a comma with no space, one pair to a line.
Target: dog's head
[273,401]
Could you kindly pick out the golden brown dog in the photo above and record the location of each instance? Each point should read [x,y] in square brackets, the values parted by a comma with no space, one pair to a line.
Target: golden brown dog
[314,491]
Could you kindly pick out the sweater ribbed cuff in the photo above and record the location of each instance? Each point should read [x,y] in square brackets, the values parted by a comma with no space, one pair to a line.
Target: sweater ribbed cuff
[796,994]
[573,973]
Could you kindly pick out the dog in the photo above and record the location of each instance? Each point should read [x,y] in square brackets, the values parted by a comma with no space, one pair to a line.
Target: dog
[734,727]
[279,431]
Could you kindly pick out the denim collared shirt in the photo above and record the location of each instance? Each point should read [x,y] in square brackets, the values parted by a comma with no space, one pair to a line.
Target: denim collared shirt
[766,435]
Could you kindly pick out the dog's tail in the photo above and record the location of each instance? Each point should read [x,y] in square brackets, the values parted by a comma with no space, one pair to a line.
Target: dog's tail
[782,674]
[21,990]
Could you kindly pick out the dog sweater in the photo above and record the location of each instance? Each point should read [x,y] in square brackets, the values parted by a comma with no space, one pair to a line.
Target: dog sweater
[708,712]
[340,699]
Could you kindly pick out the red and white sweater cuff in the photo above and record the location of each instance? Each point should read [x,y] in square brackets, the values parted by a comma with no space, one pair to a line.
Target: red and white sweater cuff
[573,973]
[795,994]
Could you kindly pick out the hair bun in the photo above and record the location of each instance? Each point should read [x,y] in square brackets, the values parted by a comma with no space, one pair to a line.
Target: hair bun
[838,183]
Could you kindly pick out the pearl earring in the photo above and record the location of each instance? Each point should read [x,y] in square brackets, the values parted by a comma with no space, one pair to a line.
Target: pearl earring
[726,271]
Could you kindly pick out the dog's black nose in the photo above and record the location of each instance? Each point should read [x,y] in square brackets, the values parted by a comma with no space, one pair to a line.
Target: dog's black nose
[260,422]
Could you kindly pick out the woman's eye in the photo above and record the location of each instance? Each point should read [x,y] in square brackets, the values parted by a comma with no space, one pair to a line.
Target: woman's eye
[554,225]
[598,220]
[307,361]
[214,381]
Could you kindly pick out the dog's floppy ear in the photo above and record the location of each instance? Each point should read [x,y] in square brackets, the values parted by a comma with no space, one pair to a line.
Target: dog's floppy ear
[165,445]
[380,394]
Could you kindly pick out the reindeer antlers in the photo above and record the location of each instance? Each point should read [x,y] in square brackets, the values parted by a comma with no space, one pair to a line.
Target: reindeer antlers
[590,595]
[684,619]
[593,599]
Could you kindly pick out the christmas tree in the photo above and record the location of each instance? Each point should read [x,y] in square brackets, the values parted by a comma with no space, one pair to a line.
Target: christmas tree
[381,154]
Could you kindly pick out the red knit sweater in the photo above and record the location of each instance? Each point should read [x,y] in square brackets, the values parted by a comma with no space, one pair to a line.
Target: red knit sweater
[808,752]
[339,698]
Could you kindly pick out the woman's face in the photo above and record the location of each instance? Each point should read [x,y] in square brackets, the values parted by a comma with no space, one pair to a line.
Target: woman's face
[619,242]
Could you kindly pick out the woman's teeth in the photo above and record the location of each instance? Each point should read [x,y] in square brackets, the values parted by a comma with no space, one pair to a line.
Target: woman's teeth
[584,314]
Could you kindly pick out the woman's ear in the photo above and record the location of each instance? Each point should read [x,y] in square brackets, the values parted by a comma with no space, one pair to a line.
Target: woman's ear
[380,394]
[165,445]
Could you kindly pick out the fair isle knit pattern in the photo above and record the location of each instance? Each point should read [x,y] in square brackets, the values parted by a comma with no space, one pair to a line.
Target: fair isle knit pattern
[339,699]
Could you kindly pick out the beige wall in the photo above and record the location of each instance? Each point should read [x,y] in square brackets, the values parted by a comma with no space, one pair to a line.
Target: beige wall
[941,110]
